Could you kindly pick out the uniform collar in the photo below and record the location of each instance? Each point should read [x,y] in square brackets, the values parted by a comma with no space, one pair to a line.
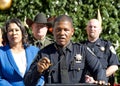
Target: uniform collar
[40,41]
[68,47]
[97,42]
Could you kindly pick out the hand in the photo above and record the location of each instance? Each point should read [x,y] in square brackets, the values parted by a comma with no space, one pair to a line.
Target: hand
[90,79]
[43,64]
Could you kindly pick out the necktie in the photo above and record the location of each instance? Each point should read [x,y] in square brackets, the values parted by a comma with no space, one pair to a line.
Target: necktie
[39,44]
[63,67]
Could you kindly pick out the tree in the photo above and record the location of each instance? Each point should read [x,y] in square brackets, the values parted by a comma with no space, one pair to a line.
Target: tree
[80,10]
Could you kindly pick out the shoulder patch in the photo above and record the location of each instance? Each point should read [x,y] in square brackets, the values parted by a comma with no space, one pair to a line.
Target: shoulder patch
[112,50]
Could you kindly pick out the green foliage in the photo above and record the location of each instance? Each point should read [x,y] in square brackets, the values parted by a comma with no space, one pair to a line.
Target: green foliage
[80,10]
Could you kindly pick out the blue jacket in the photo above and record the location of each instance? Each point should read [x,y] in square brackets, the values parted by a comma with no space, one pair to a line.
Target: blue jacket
[9,72]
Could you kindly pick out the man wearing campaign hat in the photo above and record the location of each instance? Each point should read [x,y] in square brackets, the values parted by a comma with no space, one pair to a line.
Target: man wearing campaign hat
[39,28]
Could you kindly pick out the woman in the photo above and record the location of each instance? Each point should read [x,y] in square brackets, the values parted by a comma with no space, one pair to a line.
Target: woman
[16,56]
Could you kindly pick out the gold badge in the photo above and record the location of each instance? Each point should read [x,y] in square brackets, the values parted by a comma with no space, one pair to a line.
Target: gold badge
[112,50]
[102,48]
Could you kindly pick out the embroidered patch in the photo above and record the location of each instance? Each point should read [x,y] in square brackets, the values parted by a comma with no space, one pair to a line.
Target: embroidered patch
[112,50]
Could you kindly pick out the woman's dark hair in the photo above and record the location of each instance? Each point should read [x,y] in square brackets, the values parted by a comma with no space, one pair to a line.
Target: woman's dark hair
[20,25]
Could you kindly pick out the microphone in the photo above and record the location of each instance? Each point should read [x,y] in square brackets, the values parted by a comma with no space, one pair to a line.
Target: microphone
[60,51]
[49,75]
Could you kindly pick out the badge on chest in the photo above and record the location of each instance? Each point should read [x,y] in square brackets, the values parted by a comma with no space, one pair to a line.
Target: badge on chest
[102,48]
[78,58]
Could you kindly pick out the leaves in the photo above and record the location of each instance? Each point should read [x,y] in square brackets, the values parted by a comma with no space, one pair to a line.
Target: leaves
[80,10]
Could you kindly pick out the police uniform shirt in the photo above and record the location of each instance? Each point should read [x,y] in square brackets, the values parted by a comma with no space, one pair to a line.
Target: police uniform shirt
[78,59]
[104,51]
[42,43]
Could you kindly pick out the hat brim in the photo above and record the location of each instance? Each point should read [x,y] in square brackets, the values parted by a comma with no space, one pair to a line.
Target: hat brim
[30,22]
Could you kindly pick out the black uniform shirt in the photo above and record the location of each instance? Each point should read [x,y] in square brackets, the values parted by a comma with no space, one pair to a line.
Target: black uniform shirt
[78,59]
[104,51]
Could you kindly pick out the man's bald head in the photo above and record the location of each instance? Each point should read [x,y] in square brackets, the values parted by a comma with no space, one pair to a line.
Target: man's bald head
[95,21]
[93,29]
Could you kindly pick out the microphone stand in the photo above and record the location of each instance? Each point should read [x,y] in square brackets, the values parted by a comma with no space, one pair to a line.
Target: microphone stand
[49,75]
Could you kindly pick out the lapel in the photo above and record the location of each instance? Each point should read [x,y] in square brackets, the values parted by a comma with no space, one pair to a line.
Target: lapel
[11,59]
